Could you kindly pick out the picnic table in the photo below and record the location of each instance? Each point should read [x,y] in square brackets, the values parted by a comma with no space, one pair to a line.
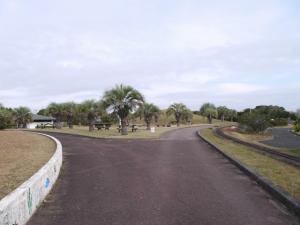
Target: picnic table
[133,127]
[104,126]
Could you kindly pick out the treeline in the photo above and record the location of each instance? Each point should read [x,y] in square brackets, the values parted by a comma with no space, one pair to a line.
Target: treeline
[123,104]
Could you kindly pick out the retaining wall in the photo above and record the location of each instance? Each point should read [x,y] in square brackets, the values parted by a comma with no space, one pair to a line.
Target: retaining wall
[18,207]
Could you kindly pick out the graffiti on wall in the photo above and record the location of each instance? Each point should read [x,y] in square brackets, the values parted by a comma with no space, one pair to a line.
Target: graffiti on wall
[29,201]
[47,183]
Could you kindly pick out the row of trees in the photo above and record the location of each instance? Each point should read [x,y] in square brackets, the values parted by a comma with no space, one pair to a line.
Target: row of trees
[118,104]
[222,113]
[124,102]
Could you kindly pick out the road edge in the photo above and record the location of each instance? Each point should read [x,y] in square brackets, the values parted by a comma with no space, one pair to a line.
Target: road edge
[286,199]
[18,207]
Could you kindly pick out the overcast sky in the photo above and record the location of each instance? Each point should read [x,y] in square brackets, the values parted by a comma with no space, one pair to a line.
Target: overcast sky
[235,53]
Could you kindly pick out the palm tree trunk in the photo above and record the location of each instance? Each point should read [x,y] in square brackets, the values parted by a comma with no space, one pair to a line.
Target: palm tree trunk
[177,122]
[148,125]
[124,127]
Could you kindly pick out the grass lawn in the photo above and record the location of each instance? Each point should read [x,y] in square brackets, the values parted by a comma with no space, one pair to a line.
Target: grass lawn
[22,154]
[141,133]
[280,173]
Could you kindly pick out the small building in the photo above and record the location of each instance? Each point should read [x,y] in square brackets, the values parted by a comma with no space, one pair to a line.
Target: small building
[40,121]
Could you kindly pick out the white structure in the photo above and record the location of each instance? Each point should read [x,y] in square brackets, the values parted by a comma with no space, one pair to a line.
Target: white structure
[20,205]
[40,121]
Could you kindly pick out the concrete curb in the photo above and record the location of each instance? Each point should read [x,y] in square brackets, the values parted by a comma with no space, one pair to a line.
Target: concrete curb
[285,198]
[18,207]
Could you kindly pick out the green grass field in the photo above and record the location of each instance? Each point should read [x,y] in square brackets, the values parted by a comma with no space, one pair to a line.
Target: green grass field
[280,173]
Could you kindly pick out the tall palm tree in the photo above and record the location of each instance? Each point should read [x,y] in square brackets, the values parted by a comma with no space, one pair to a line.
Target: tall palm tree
[223,112]
[209,110]
[122,100]
[149,111]
[179,111]
[57,110]
[22,116]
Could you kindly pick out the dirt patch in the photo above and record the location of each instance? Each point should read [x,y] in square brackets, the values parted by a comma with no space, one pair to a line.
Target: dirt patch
[22,154]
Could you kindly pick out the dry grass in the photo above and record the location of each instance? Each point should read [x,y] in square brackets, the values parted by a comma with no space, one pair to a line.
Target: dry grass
[22,154]
[256,138]
[141,133]
[280,173]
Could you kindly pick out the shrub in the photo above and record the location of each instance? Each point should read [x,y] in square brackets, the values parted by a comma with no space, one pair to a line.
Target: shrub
[253,122]
[297,128]
[5,119]
[279,122]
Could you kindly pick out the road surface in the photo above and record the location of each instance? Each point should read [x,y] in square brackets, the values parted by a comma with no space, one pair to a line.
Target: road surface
[283,138]
[178,180]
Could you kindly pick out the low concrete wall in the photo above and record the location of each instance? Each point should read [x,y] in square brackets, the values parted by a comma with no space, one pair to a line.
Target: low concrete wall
[18,207]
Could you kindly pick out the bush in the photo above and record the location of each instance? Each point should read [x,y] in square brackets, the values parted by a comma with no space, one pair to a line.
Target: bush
[297,128]
[253,122]
[5,119]
[279,122]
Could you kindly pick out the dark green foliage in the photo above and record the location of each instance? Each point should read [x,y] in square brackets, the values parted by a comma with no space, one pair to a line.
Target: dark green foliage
[22,116]
[261,117]
[209,110]
[180,112]
[253,122]
[149,112]
[5,118]
[297,128]
[122,100]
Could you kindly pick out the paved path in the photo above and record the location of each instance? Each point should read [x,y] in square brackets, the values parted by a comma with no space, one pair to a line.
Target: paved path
[178,180]
[283,138]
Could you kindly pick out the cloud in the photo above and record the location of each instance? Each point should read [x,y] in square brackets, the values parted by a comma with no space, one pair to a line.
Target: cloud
[193,51]
[70,64]
[239,88]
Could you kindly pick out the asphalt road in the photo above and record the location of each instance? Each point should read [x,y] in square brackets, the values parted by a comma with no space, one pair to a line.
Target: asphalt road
[178,180]
[283,138]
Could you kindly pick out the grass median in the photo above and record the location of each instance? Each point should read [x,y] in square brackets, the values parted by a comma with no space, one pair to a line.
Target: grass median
[279,173]
[22,154]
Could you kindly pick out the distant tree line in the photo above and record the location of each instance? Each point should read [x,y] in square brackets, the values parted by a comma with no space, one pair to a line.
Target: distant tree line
[122,103]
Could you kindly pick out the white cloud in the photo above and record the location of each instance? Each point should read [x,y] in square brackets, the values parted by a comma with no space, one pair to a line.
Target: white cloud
[238,88]
[71,64]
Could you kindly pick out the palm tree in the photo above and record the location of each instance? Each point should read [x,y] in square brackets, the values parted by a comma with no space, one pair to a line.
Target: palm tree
[22,116]
[223,112]
[56,110]
[179,110]
[209,110]
[149,111]
[122,100]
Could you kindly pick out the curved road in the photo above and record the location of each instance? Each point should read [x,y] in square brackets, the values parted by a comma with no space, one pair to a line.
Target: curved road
[283,138]
[178,180]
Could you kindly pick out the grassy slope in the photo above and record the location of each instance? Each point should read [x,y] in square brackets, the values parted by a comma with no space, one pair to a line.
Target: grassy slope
[280,173]
[22,154]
